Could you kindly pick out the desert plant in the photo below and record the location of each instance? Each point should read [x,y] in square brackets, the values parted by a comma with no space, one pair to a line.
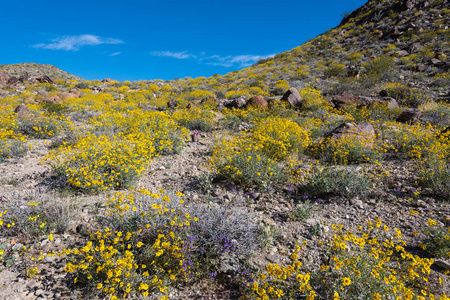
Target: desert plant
[335,182]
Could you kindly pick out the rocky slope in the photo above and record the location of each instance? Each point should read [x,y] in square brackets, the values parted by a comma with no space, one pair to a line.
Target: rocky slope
[37,70]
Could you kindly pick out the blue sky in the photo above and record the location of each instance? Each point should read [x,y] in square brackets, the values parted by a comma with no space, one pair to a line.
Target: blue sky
[156,39]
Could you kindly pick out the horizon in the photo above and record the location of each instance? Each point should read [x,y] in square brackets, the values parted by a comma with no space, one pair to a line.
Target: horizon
[161,39]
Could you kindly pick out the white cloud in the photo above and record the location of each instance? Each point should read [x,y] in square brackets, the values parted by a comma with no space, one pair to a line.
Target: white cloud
[74,43]
[215,60]
[177,55]
[240,60]
[115,54]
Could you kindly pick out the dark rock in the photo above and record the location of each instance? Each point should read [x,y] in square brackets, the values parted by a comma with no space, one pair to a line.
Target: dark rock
[239,102]
[440,64]
[344,99]
[24,77]
[409,115]
[106,80]
[172,104]
[12,81]
[293,97]
[45,79]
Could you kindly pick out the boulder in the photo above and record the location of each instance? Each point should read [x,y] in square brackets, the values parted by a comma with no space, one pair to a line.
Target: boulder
[12,81]
[369,101]
[76,91]
[106,80]
[4,77]
[440,64]
[257,101]
[22,111]
[402,53]
[239,102]
[352,129]
[24,77]
[32,80]
[409,115]
[51,99]
[66,95]
[45,79]
[293,97]
[348,99]
[344,99]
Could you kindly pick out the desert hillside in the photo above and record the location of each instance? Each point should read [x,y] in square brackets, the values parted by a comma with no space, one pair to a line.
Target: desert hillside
[320,173]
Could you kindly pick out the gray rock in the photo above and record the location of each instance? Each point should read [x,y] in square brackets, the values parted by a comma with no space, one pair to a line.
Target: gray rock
[293,97]
[445,264]
[409,115]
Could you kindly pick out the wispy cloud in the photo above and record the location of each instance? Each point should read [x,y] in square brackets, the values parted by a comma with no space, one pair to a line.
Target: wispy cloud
[177,55]
[215,60]
[74,43]
[240,60]
[115,54]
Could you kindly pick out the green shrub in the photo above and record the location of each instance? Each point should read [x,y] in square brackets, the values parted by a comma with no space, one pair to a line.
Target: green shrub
[437,239]
[335,182]
[251,169]
[335,71]
[380,67]
[42,127]
[12,148]
[343,151]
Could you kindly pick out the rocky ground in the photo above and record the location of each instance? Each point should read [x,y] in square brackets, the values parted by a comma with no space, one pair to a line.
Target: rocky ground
[188,172]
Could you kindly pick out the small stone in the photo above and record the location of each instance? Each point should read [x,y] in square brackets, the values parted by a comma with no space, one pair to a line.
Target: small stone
[311,222]
[38,292]
[421,203]
[358,203]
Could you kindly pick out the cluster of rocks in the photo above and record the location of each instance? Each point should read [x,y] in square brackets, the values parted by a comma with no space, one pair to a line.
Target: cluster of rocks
[346,99]
[291,96]
[7,80]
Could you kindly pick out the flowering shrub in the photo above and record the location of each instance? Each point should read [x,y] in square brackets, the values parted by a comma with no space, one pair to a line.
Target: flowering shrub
[405,95]
[118,152]
[281,281]
[243,161]
[436,239]
[195,118]
[278,137]
[346,150]
[369,265]
[142,255]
